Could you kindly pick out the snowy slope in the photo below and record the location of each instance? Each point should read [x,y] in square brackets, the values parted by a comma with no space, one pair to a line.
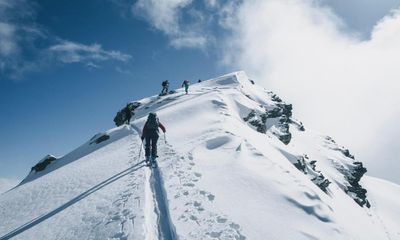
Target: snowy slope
[235,164]
[7,184]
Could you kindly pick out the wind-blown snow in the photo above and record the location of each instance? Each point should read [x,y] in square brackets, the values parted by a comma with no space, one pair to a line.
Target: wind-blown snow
[219,176]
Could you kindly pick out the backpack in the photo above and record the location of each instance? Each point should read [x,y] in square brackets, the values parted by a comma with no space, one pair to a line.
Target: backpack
[128,112]
[118,119]
[152,122]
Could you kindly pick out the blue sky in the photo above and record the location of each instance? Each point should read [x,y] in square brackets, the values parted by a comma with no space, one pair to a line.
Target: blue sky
[59,106]
[66,67]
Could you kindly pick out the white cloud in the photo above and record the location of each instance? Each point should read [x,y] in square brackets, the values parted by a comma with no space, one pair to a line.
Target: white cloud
[92,65]
[7,39]
[211,3]
[339,84]
[72,52]
[167,16]
[123,71]
[164,15]
[7,184]
[18,36]
[189,42]
[27,47]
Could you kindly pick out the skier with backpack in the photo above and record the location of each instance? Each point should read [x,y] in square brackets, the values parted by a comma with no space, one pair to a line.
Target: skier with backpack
[150,134]
[165,85]
[185,84]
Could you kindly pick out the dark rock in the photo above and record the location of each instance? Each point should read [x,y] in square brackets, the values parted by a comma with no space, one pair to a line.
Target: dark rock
[274,113]
[99,138]
[352,172]
[321,182]
[298,124]
[353,175]
[258,120]
[283,112]
[285,138]
[43,163]
[330,139]
[275,97]
[347,153]
[286,109]
[102,138]
[248,96]
[309,168]
[301,165]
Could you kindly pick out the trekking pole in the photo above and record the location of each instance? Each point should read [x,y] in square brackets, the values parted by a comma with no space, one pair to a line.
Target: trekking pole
[140,151]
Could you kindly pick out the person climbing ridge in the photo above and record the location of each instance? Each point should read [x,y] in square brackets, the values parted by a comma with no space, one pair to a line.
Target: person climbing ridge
[185,84]
[150,134]
[165,85]
[128,113]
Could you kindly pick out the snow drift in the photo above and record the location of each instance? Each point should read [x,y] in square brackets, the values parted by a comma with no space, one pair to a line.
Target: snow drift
[235,164]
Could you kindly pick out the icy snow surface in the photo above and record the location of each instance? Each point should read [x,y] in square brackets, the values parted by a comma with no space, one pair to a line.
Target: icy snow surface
[218,177]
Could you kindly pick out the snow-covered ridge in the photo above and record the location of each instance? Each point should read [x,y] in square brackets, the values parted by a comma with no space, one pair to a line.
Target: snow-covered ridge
[234,164]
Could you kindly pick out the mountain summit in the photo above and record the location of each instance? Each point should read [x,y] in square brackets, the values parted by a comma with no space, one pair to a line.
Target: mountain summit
[234,164]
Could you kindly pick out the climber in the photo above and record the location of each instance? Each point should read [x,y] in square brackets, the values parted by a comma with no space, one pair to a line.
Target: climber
[150,134]
[185,84]
[165,85]
[128,113]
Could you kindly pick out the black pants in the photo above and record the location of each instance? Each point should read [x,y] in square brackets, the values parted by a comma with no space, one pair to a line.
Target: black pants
[128,119]
[164,90]
[151,145]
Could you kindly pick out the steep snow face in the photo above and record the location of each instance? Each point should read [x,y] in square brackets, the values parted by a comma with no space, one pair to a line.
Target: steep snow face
[234,164]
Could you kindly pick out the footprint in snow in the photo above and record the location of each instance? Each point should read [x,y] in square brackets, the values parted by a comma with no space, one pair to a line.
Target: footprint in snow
[215,234]
[188,184]
[221,219]
[120,236]
[210,197]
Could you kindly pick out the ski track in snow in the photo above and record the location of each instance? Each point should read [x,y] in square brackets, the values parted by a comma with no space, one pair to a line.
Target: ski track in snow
[166,230]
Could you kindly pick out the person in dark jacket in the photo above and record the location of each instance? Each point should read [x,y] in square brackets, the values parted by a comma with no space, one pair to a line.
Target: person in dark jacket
[128,114]
[150,134]
[185,85]
[165,85]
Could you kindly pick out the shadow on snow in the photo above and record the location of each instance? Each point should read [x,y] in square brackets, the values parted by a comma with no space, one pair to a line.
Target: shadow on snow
[166,230]
[71,202]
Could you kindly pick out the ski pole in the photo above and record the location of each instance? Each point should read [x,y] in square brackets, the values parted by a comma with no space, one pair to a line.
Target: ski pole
[140,151]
